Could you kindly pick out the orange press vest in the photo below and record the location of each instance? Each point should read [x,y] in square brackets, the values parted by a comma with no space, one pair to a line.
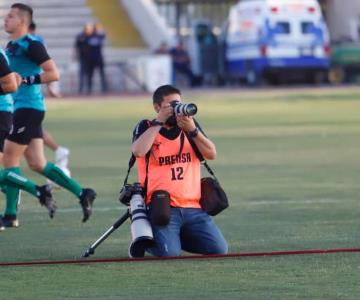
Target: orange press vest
[167,170]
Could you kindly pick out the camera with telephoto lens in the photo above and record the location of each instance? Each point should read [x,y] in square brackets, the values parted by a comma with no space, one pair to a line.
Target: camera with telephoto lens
[125,194]
[186,109]
[141,231]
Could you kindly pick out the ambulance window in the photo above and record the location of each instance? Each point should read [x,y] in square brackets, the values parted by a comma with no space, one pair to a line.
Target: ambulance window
[307,27]
[283,27]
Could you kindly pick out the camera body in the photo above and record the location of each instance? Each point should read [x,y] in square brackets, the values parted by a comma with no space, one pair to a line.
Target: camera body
[127,192]
[186,109]
[141,231]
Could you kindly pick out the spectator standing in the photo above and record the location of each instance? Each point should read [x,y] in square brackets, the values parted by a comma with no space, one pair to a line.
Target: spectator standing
[96,60]
[181,63]
[82,54]
[163,49]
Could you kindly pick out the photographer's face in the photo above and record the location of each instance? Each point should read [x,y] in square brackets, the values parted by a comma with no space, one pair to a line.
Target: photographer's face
[165,111]
[166,101]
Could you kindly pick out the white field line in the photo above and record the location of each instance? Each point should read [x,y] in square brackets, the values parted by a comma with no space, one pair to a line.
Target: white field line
[248,203]
[78,209]
[282,202]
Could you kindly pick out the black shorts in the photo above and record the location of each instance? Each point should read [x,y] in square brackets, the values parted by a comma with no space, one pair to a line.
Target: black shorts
[5,126]
[26,126]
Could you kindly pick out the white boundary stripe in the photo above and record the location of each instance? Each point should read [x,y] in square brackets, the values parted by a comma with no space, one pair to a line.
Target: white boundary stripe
[283,202]
[248,203]
[77,209]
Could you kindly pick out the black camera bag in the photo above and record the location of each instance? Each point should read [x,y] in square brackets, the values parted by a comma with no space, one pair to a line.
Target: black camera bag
[213,197]
[160,208]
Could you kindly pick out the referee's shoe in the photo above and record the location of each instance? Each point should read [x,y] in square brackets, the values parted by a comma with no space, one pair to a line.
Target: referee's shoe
[87,198]
[46,198]
[9,221]
[2,226]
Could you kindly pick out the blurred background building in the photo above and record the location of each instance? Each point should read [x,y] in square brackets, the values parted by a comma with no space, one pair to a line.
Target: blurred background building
[135,28]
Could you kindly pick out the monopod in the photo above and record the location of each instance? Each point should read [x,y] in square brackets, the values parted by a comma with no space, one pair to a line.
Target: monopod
[116,225]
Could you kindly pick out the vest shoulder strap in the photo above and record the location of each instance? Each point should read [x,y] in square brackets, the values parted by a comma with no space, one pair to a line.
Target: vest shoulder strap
[200,156]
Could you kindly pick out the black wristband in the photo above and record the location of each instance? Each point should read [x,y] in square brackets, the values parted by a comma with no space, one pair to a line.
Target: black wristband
[33,79]
[194,133]
[156,123]
[2,91]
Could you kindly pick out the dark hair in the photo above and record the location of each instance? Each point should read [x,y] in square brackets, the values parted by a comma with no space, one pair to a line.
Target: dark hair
[24,8]
[162,91]
[32,26]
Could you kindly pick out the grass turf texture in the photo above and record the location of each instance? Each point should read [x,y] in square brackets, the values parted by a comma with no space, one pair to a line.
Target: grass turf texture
[289,161]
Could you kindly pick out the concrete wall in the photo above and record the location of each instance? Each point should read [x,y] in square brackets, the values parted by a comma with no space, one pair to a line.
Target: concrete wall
[150,24]
[343,17]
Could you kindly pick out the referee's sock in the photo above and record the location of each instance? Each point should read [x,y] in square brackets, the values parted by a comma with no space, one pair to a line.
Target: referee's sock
[12,196]
[11,177]
[2,185]
[55,174]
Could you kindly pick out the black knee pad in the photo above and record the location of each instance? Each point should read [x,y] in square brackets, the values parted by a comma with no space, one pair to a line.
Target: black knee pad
[160,208]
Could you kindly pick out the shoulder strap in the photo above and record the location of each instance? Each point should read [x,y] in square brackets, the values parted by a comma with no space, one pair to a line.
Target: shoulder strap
[147,157]
[132,161]
[131,164]
[200,156]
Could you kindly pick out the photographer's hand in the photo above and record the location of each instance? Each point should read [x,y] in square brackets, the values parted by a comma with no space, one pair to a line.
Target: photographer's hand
[145,141]
[206,147]
[185,123]
[165,112]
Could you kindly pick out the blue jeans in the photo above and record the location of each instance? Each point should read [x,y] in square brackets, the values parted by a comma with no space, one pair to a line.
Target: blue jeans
[189,229]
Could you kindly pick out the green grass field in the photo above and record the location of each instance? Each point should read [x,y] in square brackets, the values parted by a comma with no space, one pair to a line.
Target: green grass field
[289,161]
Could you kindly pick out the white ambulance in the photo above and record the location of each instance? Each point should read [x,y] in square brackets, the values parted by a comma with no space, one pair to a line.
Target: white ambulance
[276,40]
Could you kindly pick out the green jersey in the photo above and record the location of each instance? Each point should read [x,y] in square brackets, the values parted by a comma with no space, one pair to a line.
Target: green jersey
[6,101]
[26,54]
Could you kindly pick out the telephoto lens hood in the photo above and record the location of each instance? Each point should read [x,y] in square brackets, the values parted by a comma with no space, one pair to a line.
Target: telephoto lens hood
[186,109]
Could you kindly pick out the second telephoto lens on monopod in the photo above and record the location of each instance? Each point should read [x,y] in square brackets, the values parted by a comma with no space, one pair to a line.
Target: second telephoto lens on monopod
[141,231]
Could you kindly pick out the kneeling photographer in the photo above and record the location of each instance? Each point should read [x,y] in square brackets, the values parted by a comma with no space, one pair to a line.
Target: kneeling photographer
[169,171]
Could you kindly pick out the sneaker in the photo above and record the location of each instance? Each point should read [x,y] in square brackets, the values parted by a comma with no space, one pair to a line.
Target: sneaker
[87,198]
[2,226]
[46,198]
[10,221]
[62,157]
